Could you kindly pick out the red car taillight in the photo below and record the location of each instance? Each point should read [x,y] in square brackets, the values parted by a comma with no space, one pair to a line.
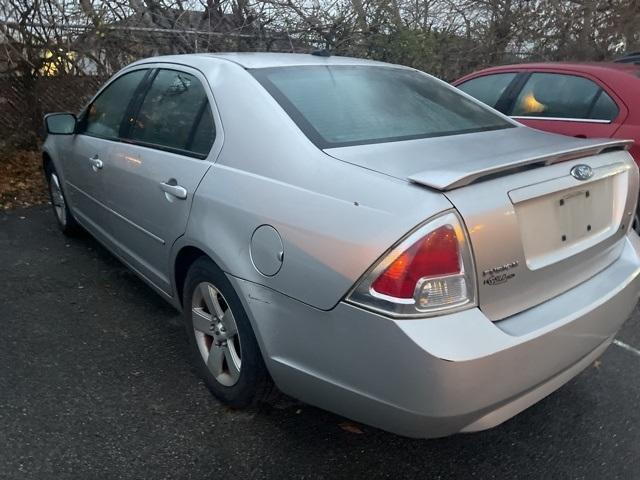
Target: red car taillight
[429,272]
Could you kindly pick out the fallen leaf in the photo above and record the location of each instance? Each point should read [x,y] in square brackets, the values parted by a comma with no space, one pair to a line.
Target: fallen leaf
[23,182]
[350,427]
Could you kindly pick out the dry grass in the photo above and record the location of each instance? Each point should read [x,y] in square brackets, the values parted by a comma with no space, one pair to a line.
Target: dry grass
[22,182]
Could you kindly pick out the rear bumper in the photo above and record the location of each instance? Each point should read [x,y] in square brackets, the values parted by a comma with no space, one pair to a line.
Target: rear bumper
[437,376]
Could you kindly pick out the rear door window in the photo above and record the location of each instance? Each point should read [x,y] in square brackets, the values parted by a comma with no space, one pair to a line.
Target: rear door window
[488,88]
[175,115]
[558,96]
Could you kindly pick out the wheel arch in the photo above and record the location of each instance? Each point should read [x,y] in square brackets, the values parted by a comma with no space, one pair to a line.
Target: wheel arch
[184,258]
[47,161]
[186,253]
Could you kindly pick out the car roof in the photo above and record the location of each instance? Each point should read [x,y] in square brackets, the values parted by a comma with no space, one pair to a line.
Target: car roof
[594,68]
[252,60]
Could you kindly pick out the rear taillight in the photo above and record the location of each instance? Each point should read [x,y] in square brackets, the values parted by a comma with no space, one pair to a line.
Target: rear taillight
[429,272]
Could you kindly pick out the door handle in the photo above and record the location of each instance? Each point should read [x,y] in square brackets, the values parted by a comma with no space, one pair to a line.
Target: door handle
[172,188]
[96,163]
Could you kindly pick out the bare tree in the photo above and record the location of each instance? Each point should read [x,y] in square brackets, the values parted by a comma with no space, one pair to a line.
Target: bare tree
[91,39]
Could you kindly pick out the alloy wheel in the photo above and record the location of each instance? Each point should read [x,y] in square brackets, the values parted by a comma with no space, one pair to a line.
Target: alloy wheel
[216,334]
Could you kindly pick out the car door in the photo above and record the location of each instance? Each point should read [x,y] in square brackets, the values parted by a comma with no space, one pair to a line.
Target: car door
[567,103]
[98,130]
[150,177]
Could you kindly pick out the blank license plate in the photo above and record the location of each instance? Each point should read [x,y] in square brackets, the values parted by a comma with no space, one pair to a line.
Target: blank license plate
[551,223]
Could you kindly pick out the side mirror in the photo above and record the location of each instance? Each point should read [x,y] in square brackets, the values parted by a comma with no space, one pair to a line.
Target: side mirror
[60,123]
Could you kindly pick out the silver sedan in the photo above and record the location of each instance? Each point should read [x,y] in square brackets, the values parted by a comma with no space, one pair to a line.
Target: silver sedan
[362,235]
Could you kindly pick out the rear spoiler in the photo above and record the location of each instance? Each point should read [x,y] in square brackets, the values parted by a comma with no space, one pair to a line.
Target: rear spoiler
[486,168]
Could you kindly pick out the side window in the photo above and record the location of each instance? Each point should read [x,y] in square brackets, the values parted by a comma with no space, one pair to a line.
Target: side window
[175,114]
[604,108]
[104,115]
[204,133]
[489,88]
[560,96]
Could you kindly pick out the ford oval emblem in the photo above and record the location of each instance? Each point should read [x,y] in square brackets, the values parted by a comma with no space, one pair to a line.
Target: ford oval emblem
[582,172]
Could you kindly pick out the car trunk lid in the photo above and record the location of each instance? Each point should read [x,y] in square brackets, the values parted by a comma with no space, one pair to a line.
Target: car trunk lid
[535,229]
[449,162]
[536,234]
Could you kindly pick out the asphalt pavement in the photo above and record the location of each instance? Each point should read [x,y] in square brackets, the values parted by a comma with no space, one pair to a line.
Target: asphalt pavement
[95,384]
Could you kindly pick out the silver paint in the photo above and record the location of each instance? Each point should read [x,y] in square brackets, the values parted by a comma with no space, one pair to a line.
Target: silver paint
[337,212]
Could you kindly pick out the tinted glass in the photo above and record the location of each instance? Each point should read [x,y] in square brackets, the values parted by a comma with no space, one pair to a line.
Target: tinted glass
[204,133]
[173,105]
[105,114]
[604,108]
[557,96]
[338,106]
[488,89]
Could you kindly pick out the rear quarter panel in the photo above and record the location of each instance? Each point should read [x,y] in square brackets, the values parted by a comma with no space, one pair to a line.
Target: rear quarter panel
[335,219]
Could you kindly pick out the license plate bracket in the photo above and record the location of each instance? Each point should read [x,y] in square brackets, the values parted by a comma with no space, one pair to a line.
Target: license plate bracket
[561,223]
[575,210]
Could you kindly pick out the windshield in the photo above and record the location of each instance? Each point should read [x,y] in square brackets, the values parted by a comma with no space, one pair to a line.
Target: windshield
[338,106]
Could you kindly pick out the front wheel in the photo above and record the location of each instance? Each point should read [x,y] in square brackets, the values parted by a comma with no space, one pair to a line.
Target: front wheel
[64,217]
[224,348]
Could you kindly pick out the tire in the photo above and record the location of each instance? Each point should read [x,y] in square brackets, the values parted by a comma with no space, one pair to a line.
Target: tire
[65,219]
[636,220]
[224,352]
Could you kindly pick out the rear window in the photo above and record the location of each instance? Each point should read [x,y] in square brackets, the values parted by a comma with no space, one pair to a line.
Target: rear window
[351,105]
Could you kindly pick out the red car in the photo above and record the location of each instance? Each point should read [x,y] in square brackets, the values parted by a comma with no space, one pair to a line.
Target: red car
[578,99]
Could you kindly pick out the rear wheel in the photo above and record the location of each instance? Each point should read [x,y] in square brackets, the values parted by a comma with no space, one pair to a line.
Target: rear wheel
[64,217]
[224,348]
